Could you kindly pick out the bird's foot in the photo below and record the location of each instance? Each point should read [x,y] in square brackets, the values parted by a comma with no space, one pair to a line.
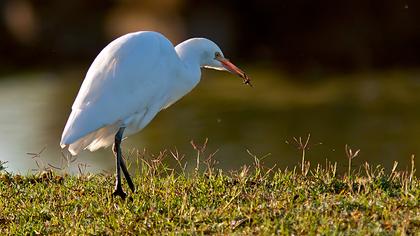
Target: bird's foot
[119,192]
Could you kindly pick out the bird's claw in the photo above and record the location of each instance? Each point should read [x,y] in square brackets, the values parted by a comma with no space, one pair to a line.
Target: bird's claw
[119,192]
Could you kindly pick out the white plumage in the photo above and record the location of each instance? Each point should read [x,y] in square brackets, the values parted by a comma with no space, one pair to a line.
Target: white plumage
[130,81]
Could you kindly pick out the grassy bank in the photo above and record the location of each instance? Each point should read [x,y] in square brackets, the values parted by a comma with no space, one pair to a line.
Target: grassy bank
[251,200]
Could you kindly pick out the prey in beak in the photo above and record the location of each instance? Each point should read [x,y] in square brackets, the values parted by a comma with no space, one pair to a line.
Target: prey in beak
[234,69]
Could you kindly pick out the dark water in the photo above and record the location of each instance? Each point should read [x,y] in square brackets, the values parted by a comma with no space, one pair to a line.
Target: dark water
[377,113]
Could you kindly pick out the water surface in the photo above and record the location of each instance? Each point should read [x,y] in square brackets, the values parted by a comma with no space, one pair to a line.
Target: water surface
[375,112]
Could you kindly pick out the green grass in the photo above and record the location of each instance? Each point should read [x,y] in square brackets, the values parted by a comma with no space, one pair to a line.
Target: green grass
[251,200]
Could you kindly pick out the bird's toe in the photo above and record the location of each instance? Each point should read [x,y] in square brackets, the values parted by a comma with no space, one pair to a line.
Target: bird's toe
[119,192]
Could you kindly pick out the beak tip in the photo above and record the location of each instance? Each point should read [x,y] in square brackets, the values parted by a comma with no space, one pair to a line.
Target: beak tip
[247,80]
[233,69]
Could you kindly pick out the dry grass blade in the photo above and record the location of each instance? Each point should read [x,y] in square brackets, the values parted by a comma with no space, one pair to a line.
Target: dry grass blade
[350,156]
[236,202]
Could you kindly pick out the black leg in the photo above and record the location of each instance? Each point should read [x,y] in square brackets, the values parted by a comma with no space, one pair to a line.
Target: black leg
[127,175]
[117,151]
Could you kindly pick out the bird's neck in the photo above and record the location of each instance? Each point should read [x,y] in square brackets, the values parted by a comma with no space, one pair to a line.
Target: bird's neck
[190,58]
[190,53]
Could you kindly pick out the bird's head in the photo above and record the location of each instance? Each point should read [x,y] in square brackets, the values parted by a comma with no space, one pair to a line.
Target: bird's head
[214,59]
[211,56]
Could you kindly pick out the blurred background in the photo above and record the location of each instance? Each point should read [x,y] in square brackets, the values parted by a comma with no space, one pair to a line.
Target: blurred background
[344,72]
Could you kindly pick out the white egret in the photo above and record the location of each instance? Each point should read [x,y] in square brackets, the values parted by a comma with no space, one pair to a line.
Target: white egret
[130,81]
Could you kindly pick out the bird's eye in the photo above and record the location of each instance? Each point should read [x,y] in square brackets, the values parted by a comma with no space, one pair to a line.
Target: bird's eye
[217,54]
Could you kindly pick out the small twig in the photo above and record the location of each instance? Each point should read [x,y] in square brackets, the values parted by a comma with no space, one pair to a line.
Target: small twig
[239,222]
[38,154]
[38,161]
[2,167]
[392,174]
[303,146]
[230,201]
[350,155]
[175,154]
[413,169]
[210,162]
[82,167]
[200,150]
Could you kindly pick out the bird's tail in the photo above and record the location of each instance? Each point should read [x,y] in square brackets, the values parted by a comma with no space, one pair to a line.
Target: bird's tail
[102,137]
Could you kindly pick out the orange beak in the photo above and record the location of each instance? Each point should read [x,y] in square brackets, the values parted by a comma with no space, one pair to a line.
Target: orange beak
[234,69]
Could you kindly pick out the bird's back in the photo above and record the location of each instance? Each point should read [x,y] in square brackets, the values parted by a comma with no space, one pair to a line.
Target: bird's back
[129,77]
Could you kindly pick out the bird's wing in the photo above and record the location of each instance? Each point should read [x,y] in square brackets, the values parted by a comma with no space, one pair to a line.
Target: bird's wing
[129,76]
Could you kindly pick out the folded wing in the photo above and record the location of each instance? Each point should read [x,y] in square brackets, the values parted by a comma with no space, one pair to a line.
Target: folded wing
[128,77]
